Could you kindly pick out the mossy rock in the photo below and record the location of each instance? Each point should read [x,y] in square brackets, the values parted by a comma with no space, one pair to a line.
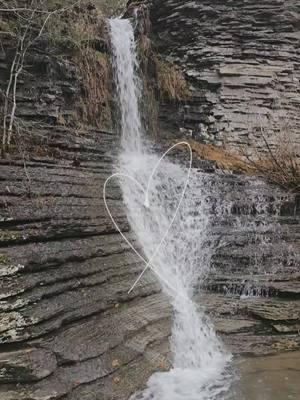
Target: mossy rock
[4,259]
[6,236]
[286,345]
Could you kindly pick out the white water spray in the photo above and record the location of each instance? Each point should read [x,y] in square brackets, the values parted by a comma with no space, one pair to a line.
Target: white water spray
[127,81]
[183,259]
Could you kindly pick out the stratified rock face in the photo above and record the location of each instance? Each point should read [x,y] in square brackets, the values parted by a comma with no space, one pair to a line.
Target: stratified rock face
[68,325]
[49,98]
[242,58]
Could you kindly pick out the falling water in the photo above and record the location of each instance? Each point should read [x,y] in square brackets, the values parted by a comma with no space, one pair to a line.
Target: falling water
[183,258]
[128,85]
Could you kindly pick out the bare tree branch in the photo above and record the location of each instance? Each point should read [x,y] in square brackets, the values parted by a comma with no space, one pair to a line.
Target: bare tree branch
[38,11]
[26,39]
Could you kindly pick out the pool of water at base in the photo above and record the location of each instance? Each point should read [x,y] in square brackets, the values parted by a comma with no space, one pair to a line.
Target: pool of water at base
[268,378]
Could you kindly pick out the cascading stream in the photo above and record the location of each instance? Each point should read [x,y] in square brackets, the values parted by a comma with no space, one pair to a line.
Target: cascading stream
[199,360]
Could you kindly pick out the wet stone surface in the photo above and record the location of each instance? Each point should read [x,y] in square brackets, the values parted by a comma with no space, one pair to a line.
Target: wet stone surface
[268,378]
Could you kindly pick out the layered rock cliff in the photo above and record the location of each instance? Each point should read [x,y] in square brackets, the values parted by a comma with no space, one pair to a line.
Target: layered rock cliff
[242,61]
[68,326]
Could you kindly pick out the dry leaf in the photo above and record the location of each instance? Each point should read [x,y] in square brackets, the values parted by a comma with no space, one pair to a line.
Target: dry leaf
[115,363]
[116,380]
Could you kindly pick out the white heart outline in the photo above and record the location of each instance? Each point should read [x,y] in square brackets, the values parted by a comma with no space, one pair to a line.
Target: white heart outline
[146,192]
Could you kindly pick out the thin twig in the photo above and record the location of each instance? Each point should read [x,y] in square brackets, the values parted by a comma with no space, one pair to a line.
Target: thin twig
[18,63]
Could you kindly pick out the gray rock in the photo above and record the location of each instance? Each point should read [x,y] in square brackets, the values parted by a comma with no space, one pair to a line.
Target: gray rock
[31,364]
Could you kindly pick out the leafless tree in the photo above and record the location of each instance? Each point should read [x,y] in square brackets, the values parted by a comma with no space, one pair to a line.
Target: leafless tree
[30,20]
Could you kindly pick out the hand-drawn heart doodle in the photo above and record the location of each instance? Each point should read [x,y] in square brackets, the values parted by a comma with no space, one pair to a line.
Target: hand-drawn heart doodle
[149,264]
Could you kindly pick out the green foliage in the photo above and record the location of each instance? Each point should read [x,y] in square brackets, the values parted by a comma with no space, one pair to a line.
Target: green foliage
[4,259]
[9,235]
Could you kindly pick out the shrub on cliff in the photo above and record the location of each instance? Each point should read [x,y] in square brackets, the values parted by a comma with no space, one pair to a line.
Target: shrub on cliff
[279,162]
[171,81]
[279,165]
[83,32]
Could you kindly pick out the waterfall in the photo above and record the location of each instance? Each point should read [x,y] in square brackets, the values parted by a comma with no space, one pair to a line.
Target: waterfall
[183,258]
[127,81]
